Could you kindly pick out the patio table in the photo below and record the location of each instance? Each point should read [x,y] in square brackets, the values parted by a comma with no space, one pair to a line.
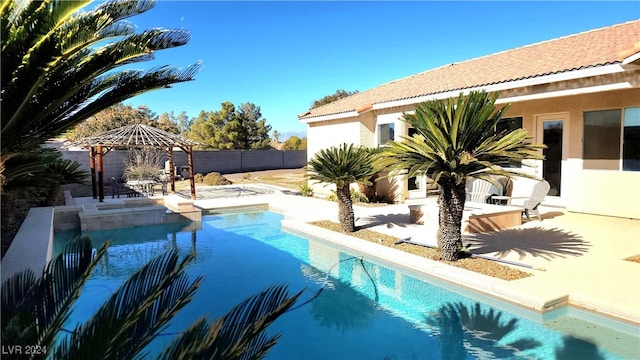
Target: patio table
[143,186]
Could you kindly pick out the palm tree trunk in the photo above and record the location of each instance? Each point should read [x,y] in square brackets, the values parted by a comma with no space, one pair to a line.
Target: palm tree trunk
[452,197]
[345,208]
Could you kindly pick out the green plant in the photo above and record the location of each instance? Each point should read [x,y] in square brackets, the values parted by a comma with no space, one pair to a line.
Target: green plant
[215,178]
[143,164]
[456,139]
[356,196]
[343,166]
[34,311]
[35,179]
[68,64]
[306,190]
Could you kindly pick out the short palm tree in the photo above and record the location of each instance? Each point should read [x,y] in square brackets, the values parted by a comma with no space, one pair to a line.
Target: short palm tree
[60,65]
[343,166]
[34,311]
[454,140]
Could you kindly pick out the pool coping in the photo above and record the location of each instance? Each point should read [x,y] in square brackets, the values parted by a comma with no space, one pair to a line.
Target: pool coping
[486,285]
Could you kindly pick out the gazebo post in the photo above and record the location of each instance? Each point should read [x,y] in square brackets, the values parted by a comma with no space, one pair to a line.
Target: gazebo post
[100,175]
[173,173]
[92,166]
[192,181]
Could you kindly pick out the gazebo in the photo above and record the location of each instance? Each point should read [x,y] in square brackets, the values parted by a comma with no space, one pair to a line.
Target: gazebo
[135,136]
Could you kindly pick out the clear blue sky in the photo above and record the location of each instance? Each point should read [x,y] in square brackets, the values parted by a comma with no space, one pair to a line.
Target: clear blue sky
[282,56]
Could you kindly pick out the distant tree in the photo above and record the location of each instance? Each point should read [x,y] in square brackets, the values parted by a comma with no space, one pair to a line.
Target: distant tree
[295,143]
[111,118]
[339,94]
[231,128]
[276,136]
[167,122]
[183,122]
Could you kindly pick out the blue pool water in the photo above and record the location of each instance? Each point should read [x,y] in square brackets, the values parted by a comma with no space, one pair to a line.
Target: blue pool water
[368,309]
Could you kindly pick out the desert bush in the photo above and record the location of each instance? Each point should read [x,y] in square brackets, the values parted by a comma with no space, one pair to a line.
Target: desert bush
[199,178]
[143,164]
[306,190]
[356,197]
[215,178]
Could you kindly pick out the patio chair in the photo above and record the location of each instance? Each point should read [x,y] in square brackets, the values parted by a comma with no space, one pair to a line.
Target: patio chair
[479,190]
[163,180]
[528,194]
[117,189]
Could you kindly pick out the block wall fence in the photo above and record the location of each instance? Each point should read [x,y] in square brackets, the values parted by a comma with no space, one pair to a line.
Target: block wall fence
[222,161]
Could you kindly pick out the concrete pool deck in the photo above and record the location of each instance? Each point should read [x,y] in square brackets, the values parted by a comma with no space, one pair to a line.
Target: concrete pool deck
[583,254]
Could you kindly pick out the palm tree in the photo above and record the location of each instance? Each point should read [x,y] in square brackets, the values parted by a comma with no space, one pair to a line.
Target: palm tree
[343,166]
[66,65]
[35,310]
[454,140]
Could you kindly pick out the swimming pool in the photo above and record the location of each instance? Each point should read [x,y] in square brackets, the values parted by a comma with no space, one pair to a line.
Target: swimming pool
[368,309]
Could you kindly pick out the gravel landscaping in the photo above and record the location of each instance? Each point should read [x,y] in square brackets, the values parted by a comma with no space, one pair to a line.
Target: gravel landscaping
[482,266]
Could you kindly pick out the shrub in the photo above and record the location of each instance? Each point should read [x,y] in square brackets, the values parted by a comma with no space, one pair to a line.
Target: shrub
[199,178]
[142,164]
[356,197]
[215,178]
[306,190]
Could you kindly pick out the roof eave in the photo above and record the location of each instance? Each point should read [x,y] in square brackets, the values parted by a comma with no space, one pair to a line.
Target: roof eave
[507,85]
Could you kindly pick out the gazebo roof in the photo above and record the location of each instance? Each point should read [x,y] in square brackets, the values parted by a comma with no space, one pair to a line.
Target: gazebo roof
[136,136]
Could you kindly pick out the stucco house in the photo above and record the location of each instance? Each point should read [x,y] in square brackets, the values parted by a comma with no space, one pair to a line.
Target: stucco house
[578,94]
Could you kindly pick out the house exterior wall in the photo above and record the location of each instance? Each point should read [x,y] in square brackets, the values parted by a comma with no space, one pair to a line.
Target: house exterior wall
[325,134]
[600,192]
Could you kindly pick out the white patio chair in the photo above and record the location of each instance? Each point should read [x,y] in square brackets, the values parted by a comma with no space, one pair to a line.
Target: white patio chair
[528,194]
[479,190]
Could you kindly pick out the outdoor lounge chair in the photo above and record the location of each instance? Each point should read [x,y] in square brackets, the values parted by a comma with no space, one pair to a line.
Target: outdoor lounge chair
[479,190]
[528,194]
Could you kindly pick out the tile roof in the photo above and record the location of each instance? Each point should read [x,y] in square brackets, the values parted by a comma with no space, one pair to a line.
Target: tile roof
[605,46]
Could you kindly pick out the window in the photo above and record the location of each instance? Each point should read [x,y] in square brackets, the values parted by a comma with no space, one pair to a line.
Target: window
[509,124]
[413,183]
[603,132]
[385,133]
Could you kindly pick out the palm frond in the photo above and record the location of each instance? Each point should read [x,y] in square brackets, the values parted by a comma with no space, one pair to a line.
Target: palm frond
[456,138]
[237,335]
[133,315]
[44,304]
[341,165]
[193,342]
[18,323]
[53,73]
[39,166]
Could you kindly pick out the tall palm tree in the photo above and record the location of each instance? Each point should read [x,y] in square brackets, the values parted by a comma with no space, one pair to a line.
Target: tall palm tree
[35,310]
[61,65]
[454,140]
[343,166]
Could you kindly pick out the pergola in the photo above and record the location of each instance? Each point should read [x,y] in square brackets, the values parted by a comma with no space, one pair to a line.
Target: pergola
[134,137]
